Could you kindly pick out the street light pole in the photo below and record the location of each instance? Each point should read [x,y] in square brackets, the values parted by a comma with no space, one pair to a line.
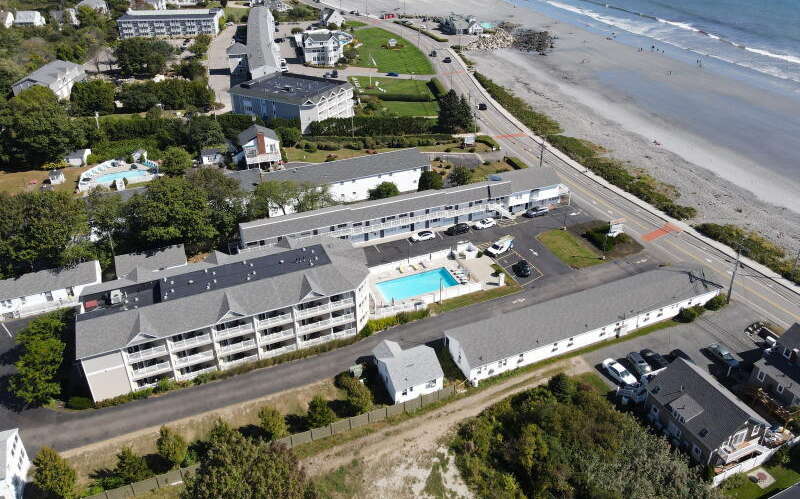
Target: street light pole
[735,269]
[541,155]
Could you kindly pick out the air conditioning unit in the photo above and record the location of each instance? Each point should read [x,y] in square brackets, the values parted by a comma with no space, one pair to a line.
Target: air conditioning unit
[115,297]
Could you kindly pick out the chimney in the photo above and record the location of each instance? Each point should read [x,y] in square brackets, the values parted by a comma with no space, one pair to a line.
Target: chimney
[262,147]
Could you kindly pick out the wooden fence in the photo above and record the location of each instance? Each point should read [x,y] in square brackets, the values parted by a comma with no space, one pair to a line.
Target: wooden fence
[176,477]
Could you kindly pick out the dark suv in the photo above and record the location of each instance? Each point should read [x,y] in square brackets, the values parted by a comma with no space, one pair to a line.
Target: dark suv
[457,229]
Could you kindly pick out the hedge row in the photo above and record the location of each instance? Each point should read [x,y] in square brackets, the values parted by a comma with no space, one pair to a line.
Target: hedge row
[371,126]
[377,325]
[388,96]
[489,141]
[436,87]
[753,246]
[515,162]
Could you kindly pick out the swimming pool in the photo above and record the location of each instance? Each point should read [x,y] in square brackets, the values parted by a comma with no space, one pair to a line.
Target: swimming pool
[110,177]
[417,284]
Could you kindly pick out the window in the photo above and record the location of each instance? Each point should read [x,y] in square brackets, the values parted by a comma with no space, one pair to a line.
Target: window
[761,375]
[780,388]
[696,451]
[739,437]
[703,432]
[431,384]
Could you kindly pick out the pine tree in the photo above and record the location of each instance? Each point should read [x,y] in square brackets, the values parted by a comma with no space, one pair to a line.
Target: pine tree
[171,447]
[53,478]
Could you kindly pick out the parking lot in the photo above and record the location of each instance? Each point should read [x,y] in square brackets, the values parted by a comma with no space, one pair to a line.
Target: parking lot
[725,326]
[526,246]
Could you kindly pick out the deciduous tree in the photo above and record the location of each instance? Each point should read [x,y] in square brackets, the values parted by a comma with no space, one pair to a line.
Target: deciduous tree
[142,56]
[384,190]
[175,162]
[273,195]
[93,95]
[35,381]
[53,478]
[460,175]
[430,180]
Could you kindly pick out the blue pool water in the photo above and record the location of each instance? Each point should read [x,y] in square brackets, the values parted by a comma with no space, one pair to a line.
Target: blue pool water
[110,177]
[417,284]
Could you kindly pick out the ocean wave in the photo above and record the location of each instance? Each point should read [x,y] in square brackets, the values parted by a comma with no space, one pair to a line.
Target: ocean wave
[650,30]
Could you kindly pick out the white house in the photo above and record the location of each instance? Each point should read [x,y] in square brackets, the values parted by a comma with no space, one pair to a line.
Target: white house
[29,18]
[260,147]
[329,16]
[59,76]
[461,26]
[46,290]
[98,5]
[510,340]
[78,157]
[212,156]
[14,465]
[323,47]
[66,16]
[407,374]
[56,177]
[6,18]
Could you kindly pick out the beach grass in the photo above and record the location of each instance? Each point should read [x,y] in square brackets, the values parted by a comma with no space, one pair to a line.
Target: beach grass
[570,249]
[405,58]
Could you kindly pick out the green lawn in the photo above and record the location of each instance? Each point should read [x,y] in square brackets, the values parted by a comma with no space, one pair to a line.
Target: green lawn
[412,108]
[569,248]
[784,477]
[354,24]
[381,86]
[406,59]
[234,14]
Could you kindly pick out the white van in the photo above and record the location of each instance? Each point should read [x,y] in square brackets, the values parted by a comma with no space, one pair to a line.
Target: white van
[500,246]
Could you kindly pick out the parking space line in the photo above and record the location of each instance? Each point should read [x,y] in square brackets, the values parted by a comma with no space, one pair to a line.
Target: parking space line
[7,331]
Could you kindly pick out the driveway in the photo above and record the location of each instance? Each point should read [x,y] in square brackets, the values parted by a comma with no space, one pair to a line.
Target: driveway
[219,75]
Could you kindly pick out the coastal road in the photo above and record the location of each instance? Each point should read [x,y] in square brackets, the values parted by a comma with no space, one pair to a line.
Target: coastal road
[761,294]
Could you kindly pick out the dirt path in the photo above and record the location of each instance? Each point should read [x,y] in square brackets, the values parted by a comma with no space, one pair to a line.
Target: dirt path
[400,460]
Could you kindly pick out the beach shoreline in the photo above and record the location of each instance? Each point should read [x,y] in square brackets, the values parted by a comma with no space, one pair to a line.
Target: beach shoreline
[714,133]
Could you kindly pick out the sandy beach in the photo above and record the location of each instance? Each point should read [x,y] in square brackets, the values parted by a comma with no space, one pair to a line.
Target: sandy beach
[728,148]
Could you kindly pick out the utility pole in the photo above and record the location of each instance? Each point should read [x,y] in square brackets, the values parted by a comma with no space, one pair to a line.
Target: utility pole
[541,155]
[735,269]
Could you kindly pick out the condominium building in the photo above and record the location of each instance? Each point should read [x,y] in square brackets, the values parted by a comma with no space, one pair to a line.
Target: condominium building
[506,194]
[295,97]
[323,47]
[224,311]
[515,339]
[169,23]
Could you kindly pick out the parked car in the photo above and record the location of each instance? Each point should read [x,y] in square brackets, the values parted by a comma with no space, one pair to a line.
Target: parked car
[500,246]
[655,359]
[723,354]
[484,223]
[618,373]
[392,74]
[424,235]
[522,268]
[457,229]
[678,353]
[447,60]
[335,73]
[640,366]
[482,106]
[537,211]
[433,53]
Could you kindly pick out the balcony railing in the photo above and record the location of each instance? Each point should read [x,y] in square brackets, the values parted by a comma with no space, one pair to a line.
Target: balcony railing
[345,332]
[237,347]
[191,359]
[234,331]
[347,302]
[243,360]
[342,319]
[278,351]
[319,339]
[273,337]
[150,370]
[190,342]
[729,454]
[312,311]
[275,321]
[147,354]
[315,326]
[194,374]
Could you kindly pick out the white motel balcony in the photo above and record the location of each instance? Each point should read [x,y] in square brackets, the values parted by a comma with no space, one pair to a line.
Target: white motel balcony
[345,332]
[243,360]
[202,339]
[237,347]
[194,374]
[278,351]
[319,339]
[342,319]
[314,326]
[310,312]
[161,367]
[234,331]
[275,321]
[280,335]
[194,358]
[147,354]
[340,304]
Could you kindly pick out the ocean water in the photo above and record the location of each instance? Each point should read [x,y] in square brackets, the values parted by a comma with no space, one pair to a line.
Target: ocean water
[761,35]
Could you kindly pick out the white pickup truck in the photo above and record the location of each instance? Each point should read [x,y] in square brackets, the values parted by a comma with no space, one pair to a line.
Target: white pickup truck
[500,246]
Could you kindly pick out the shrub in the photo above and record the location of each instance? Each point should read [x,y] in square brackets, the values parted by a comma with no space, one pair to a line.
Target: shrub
[310,147]
[319,414]
[79,403]
[717,302]
[273,424]
[577,149]
[539,123]
[489,141]
[171,447]
[515,162]
[688,315]
[436,87]
[297,30]
[781,457]
[359,398]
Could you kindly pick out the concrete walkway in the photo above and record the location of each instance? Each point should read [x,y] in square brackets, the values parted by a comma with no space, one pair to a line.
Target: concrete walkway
[217,62]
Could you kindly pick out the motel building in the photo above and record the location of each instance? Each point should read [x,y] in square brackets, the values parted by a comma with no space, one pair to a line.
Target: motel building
[504,342]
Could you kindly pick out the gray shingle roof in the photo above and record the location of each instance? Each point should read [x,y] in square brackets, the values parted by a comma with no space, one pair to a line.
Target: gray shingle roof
[508,334]
[236,49]
[410,367]
[48,280]
[250,133]
[51,72]
[157,259]
[780,369]
[290,88]
[353,168]
[791,338]
[106,333]
[25,16]
[260,29]
[248,179]
[167,15]
[510,182]
[721,412]
[93,4]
